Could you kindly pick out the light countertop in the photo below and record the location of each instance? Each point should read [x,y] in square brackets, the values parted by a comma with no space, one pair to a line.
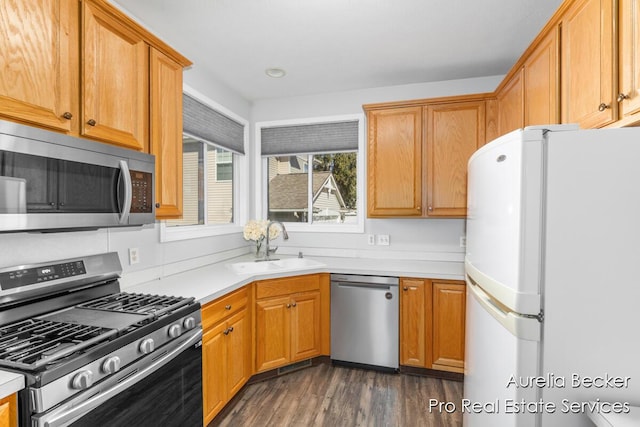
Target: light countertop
[215,280]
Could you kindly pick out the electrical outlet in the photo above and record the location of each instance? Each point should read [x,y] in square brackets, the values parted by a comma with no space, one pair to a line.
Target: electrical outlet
[463,241]
[134,256]
[371,239]
[383,239]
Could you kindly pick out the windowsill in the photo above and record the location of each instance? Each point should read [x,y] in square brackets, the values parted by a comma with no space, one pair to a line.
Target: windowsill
[172,234]
[324,228]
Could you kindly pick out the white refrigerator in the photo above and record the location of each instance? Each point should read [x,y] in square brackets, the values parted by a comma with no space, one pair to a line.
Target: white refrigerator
[553,290]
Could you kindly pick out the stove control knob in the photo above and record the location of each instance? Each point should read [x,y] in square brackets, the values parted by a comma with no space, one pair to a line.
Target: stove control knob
[147,346]
[174,331]
[82,380]
[189,323]
[111,365]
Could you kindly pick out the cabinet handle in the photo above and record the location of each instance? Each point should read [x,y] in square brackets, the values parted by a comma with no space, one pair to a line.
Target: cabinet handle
[622,97]
[226,331]
[52,203]
[91,122]
[230,329]
[603,106]
[67,115]
[227,307]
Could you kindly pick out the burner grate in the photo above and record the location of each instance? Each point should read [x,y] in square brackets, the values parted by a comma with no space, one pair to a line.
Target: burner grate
[155,305]
[34,343]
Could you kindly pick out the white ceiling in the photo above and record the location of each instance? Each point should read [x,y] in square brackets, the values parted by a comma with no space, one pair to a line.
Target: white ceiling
[338,45]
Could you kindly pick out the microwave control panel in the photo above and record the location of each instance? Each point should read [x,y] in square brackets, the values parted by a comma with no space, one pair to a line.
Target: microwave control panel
[142,200]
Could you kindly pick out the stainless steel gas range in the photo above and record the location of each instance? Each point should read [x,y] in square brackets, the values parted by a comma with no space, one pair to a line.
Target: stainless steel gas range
[95,356]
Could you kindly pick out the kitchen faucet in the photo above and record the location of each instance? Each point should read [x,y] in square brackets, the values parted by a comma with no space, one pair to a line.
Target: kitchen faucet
[285,236]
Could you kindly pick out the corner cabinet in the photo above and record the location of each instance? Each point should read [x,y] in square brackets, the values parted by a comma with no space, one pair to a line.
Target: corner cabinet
[291,320]
[226,350]
[432,324]
[417,155]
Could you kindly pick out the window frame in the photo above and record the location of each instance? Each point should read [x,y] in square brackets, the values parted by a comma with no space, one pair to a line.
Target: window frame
[262,171]
[240,186]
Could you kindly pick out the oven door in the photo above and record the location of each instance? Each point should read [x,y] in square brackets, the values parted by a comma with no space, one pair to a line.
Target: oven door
[162,389]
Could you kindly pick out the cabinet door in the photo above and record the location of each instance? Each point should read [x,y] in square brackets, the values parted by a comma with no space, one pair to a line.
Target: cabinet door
[305,325]
[115,81]
[511,105]
[394,162]
[166,133]
[238,343]
[448,325]
[39,56]
[273,342]
[629,21]
[454,132]
[214,371]
[541,74]
[413,323]
[588,47]
[8,411]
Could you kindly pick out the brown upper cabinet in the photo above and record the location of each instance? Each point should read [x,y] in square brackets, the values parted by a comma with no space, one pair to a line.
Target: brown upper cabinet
[39,78]
[510,98]
[86,69]
[417,155]
[114,79]
[542,82]
[588,63]
[629,70]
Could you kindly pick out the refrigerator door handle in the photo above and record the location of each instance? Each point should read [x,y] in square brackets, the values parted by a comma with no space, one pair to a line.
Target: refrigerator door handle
[524,327]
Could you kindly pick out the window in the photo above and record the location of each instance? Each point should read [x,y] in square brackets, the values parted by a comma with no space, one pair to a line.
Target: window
[213,150]
[207,181]
[330,188]
[314,173]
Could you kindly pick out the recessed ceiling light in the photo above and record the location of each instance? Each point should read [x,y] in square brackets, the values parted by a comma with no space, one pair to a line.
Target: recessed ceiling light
[276,73]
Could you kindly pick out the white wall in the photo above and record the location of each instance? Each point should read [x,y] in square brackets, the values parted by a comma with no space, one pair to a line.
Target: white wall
[433,239]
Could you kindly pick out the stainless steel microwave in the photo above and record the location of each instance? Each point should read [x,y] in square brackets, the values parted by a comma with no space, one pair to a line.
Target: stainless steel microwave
[54,182]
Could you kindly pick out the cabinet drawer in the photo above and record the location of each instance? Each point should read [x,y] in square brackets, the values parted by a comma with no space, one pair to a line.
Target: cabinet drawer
[224,307]
[287,286]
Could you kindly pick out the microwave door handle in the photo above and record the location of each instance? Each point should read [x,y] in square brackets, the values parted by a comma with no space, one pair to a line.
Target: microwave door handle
[128,190]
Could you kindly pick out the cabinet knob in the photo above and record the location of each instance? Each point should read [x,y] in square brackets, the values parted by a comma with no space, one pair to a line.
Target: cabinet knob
[226,331]
[157,205]
[622,97]
[288,305]
[430,208]
[91,122]
[419,208]
[227,307]
[603,106]
[405,288]
[67,115]
[294,304]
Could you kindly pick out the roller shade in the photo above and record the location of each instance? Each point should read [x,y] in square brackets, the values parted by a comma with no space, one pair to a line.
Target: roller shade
[310,138]
[203,122]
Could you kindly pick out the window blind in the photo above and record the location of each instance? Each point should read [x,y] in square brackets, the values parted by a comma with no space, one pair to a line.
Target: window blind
[309,138]
[203,122]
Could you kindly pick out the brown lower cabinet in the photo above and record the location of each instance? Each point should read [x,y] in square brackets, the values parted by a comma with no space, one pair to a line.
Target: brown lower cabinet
[432,316]
[291,320]
[8,411]
[226,350]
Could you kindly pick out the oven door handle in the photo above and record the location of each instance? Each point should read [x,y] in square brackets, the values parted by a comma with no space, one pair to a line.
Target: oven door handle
[73,410]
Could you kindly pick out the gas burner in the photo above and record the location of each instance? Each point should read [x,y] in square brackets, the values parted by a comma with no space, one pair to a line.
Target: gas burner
[155,305]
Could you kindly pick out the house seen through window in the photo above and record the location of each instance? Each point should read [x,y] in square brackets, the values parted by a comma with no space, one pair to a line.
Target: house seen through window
[207,184]
[313,188]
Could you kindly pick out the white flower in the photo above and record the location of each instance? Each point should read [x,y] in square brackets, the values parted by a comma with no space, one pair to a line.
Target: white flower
[257,230]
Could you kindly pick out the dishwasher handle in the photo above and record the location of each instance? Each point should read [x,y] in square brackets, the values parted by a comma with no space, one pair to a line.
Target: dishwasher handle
[347,279]
[363,285]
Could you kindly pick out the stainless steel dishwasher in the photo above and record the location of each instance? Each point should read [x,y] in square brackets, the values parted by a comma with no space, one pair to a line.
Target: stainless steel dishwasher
[364,320]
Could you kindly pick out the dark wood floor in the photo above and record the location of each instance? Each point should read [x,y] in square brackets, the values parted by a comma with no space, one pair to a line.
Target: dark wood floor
[326,395]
